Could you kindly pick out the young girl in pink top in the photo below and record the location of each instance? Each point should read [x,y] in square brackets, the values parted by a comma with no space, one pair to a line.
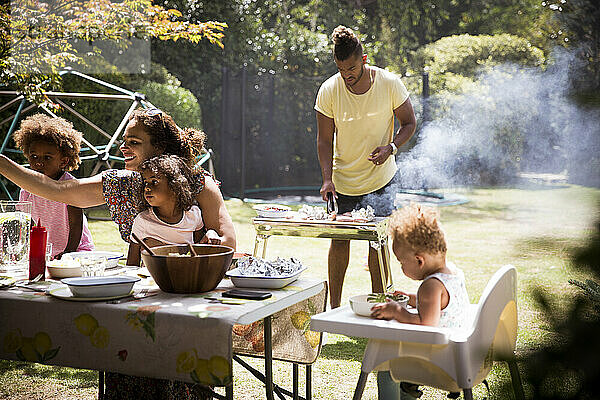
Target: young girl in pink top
[172,216]
[51,145]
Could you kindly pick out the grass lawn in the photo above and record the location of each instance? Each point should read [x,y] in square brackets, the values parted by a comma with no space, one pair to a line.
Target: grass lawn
[534,229]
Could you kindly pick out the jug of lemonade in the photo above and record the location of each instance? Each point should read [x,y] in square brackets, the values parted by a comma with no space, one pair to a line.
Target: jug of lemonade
[15,224]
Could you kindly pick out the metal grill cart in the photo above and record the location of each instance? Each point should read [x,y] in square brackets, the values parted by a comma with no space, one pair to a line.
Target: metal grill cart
[375,232]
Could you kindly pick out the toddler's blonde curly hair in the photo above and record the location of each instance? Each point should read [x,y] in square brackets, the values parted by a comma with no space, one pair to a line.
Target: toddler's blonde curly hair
[419,227]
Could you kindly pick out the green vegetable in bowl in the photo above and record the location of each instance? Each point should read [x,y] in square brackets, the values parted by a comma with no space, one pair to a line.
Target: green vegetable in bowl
[382,297]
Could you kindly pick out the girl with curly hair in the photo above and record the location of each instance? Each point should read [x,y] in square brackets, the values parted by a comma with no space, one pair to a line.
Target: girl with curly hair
[172,216]
[51,145]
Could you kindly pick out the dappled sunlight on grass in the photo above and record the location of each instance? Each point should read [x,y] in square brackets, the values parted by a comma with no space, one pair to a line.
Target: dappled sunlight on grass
[340,347]
[75,377]
[21,380]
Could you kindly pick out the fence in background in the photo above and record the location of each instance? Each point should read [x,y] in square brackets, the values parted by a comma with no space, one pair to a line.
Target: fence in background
[267,137]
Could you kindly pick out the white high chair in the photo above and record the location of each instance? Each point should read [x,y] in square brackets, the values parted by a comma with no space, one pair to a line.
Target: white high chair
[449,359]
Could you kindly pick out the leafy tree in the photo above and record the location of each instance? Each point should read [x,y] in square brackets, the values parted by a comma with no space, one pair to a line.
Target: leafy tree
[580,28]
[36,37]
[566,365]
[288,41]
[404,28]
[453,57]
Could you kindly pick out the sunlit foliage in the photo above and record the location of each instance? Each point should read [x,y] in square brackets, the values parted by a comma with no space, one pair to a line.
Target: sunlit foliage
[35,37]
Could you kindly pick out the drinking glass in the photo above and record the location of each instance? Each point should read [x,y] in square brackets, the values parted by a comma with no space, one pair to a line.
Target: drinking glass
[92,266]
[15,224]
[48,253]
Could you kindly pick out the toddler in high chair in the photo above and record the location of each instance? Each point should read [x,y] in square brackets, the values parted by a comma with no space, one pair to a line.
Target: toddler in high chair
[441,300]
[171,215]
[51,146]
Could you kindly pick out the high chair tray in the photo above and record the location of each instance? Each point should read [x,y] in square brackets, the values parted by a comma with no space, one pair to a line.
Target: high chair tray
[344,321]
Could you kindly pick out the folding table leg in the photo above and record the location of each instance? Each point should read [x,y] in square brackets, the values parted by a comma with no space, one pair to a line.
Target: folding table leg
[100,385]
[360,386]
[295,381]
[308,382]
[268,358]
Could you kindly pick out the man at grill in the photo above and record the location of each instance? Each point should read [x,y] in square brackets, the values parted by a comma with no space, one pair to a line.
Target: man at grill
[356,142]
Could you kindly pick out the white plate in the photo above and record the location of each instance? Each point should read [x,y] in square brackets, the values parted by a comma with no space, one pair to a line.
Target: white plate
[64,293]
[112,257]
[265,282]
[272,210]
[100,286]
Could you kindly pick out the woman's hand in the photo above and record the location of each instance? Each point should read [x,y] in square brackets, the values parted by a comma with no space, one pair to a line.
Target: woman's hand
[82,193]
[215,213]
[211,237]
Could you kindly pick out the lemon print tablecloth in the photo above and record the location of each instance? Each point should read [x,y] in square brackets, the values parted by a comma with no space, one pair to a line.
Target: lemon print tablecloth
[187,338]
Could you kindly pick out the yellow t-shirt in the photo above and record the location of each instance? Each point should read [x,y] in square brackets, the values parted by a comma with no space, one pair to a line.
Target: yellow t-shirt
[362,123]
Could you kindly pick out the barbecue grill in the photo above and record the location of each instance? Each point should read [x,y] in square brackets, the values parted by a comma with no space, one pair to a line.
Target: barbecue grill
[375,232]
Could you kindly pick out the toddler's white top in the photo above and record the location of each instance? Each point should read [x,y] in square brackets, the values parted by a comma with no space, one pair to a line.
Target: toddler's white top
[456,313]
[147,224]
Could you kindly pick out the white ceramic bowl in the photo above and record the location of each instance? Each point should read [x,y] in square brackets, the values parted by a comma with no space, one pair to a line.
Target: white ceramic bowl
[112,257]
[263,282]
[361,306]
[100,286]
[63,269]
[272,210]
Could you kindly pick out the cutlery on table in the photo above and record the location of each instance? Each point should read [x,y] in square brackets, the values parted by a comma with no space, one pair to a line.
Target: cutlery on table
[137,296]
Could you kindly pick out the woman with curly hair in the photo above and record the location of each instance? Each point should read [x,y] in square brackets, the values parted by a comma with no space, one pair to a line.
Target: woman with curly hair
[51,146]
[172,216]
[149,133]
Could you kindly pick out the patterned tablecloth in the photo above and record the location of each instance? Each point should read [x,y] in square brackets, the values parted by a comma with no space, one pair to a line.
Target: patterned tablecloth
[170,336]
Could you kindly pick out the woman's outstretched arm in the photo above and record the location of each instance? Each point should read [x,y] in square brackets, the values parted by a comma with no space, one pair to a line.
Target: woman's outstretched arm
[82,193]
[215,213]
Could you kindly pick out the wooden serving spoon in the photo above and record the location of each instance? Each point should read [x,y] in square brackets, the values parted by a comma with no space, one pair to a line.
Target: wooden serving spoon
[192,250]
[141,243]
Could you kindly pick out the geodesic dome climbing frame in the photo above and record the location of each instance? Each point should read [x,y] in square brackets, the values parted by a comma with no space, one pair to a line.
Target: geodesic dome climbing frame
[103,153]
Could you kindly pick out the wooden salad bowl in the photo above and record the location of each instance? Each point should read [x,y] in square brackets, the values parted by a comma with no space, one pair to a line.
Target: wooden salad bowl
[175,270]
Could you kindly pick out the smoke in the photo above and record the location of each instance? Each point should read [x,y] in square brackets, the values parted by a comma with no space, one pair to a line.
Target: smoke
[514,119]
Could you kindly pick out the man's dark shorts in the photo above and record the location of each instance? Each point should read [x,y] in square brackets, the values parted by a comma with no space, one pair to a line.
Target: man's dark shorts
[382,202]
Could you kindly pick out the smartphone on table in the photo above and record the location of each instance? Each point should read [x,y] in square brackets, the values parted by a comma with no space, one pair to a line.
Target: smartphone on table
[246,294]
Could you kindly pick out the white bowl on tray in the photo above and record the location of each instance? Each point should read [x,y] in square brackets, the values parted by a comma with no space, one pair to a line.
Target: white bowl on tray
[263,282]
[272,210]
[361,306]
[112,257]
[100,286]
